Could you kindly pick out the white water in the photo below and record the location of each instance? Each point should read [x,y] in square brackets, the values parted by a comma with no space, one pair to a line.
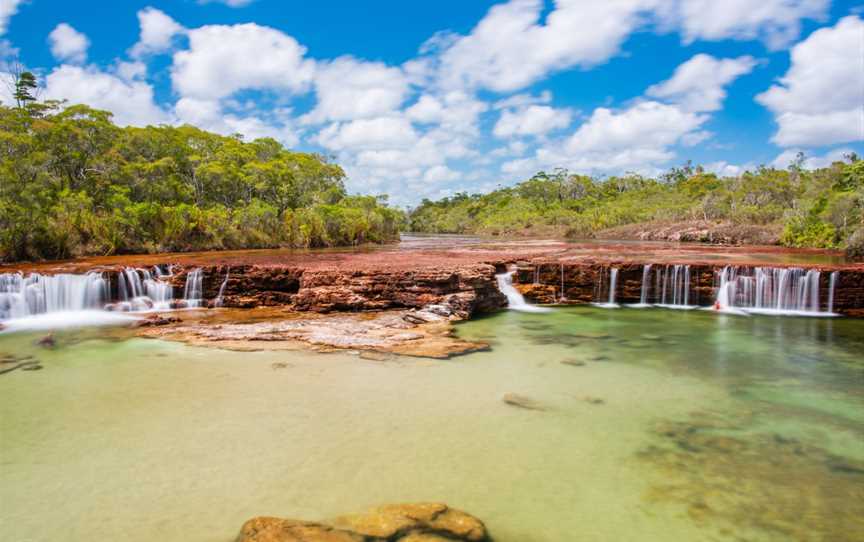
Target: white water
[769,290]
[613,285]
[36,302]
[674,287]
[515,300]
[35,294]
[218,302]
[193,292]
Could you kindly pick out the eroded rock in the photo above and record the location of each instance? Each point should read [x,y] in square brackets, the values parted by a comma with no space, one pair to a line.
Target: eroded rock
[421,522]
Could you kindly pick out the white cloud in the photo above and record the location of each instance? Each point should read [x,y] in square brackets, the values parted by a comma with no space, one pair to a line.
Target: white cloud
[349,89]
[130,101]
[789,156]
[229,3]
[157,32]
[439,174]
[222,60]
[532,120]
[380,133]
[209,115]
[8,8]
[698,84]
[510,48]
[67,44]
[820,100]
[776,22]
[645,125]
[427,109]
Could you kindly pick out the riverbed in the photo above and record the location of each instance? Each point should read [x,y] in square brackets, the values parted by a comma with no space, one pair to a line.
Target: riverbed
[647,424]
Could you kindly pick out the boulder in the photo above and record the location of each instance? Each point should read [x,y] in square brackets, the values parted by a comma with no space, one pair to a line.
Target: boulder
[420,522]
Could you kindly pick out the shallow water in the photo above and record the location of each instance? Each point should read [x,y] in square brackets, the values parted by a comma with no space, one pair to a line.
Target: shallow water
[662,425]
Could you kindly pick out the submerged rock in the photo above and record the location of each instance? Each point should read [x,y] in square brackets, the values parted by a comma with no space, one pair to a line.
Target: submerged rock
[396,522]
[573,362]
[521,401]
[156,320]
[47,341]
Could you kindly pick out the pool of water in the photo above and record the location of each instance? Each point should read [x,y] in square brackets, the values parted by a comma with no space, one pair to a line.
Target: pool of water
[656,425]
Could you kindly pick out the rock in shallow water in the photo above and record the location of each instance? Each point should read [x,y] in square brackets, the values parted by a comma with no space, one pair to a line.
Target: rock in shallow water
[520,401]
[403,522]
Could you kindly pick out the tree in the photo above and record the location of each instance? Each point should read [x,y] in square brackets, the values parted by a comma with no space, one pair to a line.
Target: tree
[25,89]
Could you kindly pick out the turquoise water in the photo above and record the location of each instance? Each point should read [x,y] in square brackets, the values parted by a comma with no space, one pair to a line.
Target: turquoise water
[656,425]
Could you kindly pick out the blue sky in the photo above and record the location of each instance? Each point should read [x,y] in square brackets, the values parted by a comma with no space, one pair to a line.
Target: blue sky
[424,99]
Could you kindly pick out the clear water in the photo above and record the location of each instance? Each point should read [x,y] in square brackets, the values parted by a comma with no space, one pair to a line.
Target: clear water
[663,425]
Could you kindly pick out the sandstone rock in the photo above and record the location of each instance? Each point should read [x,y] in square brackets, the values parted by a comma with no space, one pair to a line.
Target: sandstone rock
[521,401]
[399,520]
[424,522]
[266,529]
[156,320]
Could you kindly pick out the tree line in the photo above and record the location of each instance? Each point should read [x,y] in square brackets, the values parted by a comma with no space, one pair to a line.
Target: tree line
[73,183]
[808,208]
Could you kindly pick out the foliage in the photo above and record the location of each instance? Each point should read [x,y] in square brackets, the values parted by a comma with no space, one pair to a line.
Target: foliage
[818,208]
[73,183]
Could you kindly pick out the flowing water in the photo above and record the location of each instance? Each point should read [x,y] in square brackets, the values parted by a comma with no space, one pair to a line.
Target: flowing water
[658,425]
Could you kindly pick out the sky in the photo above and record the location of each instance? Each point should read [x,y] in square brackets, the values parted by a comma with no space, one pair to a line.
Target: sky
[426,99]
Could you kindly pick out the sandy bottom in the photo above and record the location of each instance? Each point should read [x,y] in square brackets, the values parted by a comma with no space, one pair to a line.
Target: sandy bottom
[655,429]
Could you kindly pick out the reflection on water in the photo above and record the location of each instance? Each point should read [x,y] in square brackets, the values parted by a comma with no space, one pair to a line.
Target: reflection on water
[656,425]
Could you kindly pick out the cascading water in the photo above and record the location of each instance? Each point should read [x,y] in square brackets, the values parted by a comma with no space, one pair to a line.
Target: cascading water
[515,300]
[193,292]
[159,292]
[769,290]
[54,301]
[675,286]
[646,285]
[39,294]
[613,284]
[563,297]
[218,302]
[832,284]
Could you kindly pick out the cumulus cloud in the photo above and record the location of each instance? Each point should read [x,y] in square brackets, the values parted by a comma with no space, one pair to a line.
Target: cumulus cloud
[130,101]
[820,100]
[349,89]
[699,84]
[210,115]
[531,120]
[158,31]
[392,132]
[776,22]
[222,60]
[8,8]
[513,46]
[510,48]
[67,44]
[644,125]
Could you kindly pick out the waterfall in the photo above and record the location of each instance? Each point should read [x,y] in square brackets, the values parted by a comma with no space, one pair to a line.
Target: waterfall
[193,292]
[39,294]
[218,302]
[515,300]
[563,297]
[646,285]
[613,280]
[772,290]
[834,276]
[159,292]
[613,283]
[674,286]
